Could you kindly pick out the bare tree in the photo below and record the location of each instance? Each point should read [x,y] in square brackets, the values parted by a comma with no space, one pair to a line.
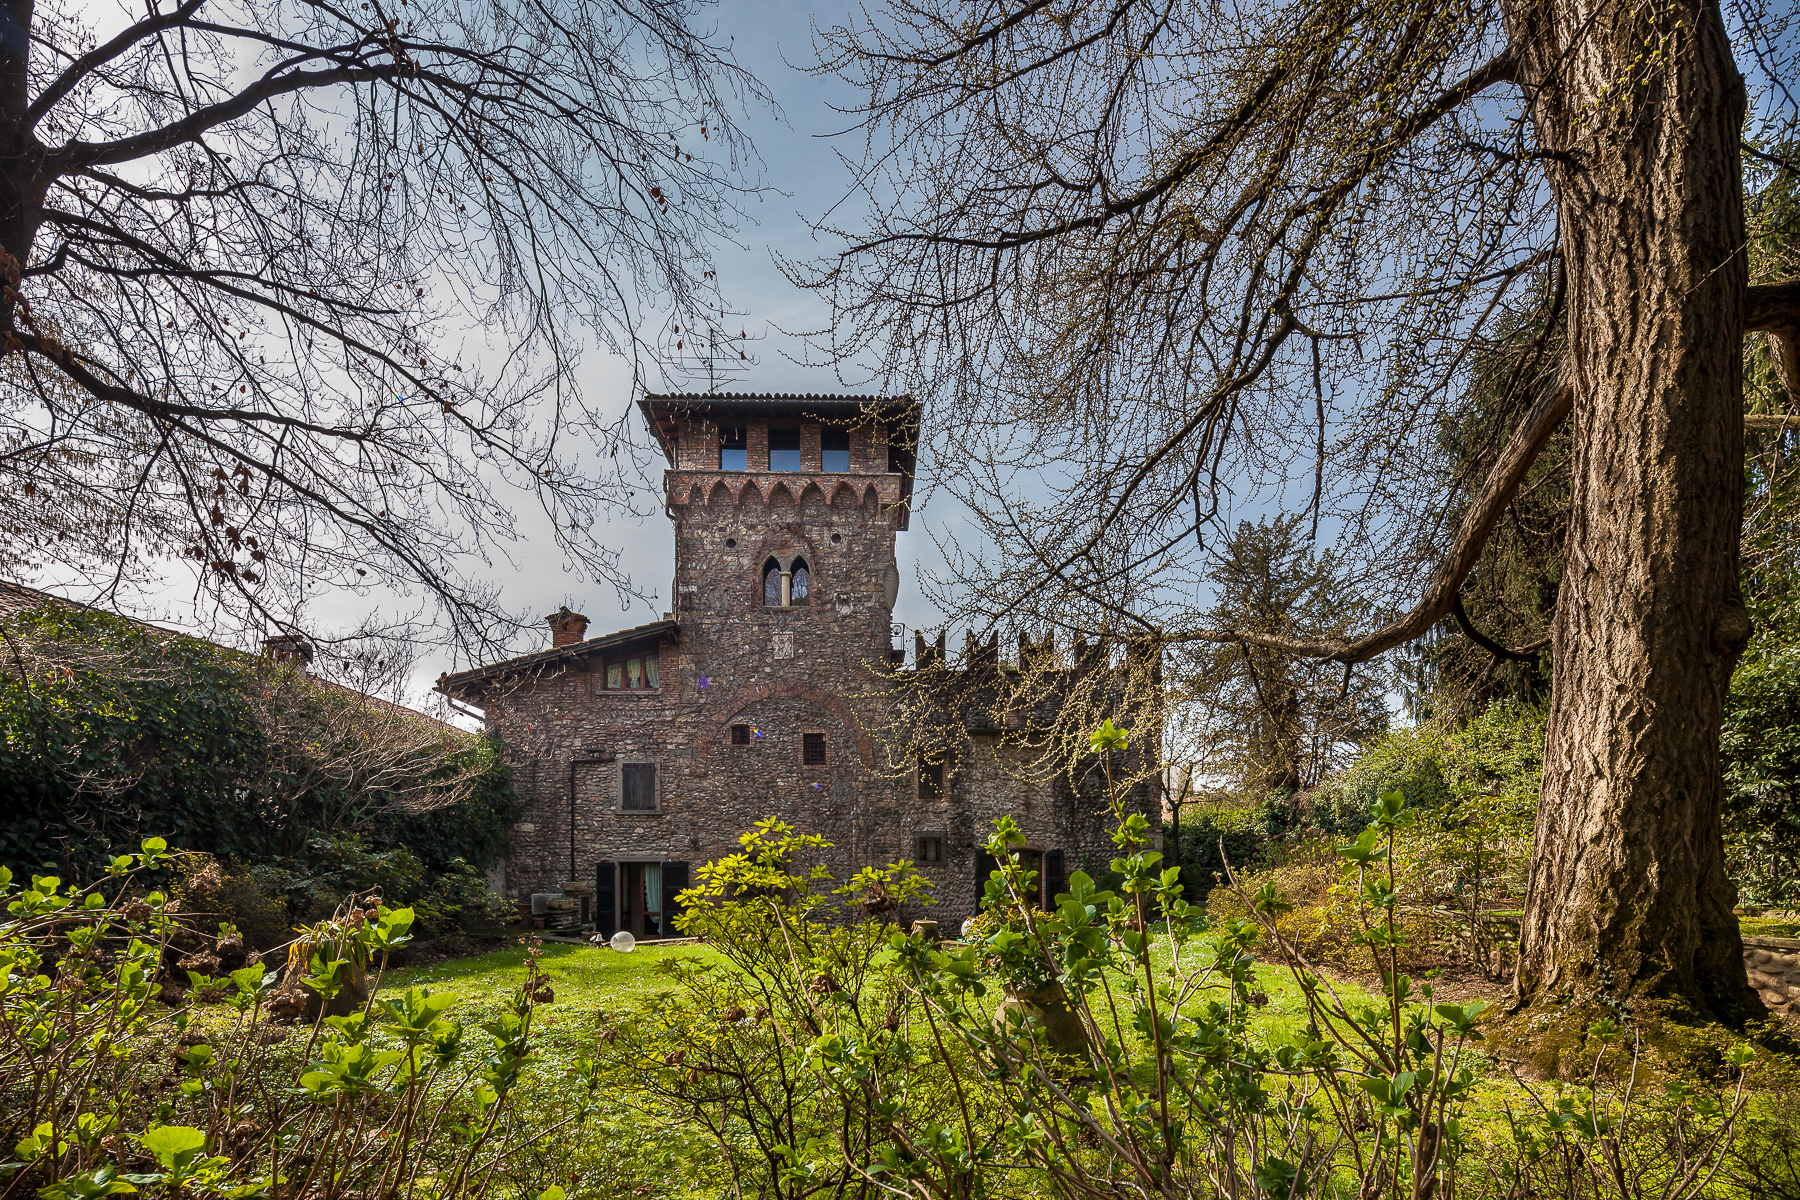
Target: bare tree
[1180,258]
[251,256]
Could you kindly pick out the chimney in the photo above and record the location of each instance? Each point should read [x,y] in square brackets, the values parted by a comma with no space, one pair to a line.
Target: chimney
[566,628]
[289,650]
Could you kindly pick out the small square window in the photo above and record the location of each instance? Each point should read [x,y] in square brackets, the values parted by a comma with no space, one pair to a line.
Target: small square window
[740,735]
[928,848]
[931,780]
[812,749]
[637,787]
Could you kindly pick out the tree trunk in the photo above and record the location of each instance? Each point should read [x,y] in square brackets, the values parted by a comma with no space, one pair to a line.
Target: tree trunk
[1641,109]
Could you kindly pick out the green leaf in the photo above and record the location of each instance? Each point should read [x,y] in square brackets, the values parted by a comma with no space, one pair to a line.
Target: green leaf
[172,1144]
[1106,737]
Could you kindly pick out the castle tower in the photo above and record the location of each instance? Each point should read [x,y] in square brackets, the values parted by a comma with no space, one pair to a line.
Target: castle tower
[639,753]
[786,510]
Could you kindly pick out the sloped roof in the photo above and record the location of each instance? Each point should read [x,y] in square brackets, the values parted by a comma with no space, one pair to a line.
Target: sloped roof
[536,661]
[16,598]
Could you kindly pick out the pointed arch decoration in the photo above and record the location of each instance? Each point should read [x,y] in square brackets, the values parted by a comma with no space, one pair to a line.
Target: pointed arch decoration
[780,496]
[843,496]
[812,495]
[720,496]
[750,494]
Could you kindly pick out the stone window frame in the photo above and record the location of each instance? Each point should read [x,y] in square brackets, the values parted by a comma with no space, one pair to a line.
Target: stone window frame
[624,761]
[733,736]
[822,733]
[783,563]
[934,836]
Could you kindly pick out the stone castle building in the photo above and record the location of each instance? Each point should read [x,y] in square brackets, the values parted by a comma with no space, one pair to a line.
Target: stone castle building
[765,690]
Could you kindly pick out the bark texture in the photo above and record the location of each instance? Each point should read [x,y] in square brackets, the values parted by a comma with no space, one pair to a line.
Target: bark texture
[1641,108]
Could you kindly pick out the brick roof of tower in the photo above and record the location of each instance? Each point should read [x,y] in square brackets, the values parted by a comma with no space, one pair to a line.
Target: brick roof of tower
[662,409]
[536,660]
[664,412]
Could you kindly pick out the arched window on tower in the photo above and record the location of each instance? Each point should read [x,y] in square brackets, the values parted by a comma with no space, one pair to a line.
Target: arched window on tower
[802,586]
[772,584]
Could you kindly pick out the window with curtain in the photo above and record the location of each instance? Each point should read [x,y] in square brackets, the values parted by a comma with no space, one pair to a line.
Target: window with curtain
[637,673]
[834,449]
[784,449]
[772,583]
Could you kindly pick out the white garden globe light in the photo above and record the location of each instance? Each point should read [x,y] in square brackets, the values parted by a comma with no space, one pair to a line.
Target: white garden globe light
[623,942]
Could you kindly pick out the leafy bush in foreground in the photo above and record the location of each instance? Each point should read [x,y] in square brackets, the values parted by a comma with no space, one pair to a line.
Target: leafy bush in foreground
[1109,1049]
[112,1081]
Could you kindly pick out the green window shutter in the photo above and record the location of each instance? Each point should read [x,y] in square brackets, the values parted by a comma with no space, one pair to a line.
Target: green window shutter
[674,882]
[606,904]
[985,865]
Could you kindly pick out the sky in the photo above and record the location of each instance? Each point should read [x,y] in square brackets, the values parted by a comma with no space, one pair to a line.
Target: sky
[773,40]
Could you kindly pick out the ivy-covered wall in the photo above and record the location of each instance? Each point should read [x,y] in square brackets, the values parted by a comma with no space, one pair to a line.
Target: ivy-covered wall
[111,732]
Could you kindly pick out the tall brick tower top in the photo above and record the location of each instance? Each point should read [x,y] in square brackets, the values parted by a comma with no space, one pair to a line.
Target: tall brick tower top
[786,510]
[788,505]
[837,444]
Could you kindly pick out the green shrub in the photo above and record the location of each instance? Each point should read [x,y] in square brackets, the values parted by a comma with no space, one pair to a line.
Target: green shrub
[121,1074]
[1760,752]
[226,891]
[1110,1048]
[110,731]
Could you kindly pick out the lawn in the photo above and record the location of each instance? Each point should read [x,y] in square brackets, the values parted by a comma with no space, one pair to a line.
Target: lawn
[587,978]
[581,976]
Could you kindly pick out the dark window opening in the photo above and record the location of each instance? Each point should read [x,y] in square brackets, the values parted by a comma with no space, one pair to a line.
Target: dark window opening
[784,449]
[1033,861]
[1056,878]
[834,449]
[928,848]
[931,780]
[639,787]
[734,454]
[772,583]
[801,586]
[812,749]
[740,735]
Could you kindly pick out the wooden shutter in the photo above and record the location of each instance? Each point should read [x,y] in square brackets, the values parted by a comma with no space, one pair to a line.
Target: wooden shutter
[1056,878]
[985,865]
[637,787]
[606,903]
[675,881]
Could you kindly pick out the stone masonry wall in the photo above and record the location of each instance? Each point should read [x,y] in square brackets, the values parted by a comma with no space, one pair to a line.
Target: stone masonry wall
[783,672]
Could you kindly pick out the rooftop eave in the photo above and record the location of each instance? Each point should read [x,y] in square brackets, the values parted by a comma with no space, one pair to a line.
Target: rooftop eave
[540,661]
